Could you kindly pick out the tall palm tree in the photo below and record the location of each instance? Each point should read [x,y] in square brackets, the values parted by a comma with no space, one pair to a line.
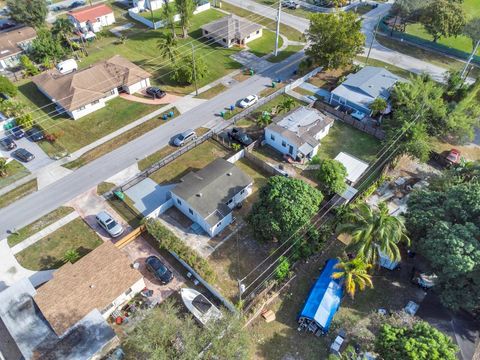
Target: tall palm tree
[354,274]
[168,47]
[168,16]
[63,28]
[286,105]
[374,232]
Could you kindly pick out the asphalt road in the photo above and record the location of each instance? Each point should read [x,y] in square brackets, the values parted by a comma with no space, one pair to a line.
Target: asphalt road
[30,208]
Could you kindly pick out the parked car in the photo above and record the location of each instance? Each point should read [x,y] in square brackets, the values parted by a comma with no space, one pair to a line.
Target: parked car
[290,5]
[248,101]
[184,137]
[76,4]
[453,156]
[8,144]
[23,155]
[155,92]
[35,134]
[158,269]
[17,132]
[67,66]
[240,136]
[106,221]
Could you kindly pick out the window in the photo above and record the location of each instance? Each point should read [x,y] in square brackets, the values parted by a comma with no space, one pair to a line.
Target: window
[272,137]
[128,291]
[242,192]
[190,211]
[248,37]
[112,91]
[224,40]
[284,144]
[219,223]
[179,202]
[95,102]
[81,108]
[206,32]
[258,32]
[107,308]
[229,201]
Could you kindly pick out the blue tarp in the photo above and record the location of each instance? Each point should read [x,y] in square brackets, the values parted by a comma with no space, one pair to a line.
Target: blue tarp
[324,298]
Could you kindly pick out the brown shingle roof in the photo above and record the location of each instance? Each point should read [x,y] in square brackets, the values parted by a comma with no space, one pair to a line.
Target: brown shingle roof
[91,13]
[79,88]
[10,41]
[93,282]
[231,27]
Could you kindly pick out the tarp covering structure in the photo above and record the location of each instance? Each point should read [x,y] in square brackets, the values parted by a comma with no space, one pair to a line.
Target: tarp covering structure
[324,299]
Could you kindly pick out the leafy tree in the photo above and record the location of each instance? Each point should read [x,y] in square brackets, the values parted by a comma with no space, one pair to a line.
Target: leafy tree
[185,9]
[283,268]
[463,117]
[3,167]
[286,105]
[420,342]
[354,274]
[71,256]
[406,11]
[378,105]
[29,66]
[332,175]
[284,205]
[168,16]
[62,30]
[443,18]
[7,87]
[47,47]
[184,71]
[265,118]
[335,39]
[168,47]
[29,12]
[374,232]
[455,87]
[25,120]
[12,108]
[472,30]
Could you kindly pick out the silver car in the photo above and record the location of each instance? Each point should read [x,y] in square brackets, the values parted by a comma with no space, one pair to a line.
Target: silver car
[106,221]
[184,137]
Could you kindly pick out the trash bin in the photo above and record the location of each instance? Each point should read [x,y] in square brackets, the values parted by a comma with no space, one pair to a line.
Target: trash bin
[164,116]
[232,107]
[170,114]
[252,72]
[273,84]
[222,114]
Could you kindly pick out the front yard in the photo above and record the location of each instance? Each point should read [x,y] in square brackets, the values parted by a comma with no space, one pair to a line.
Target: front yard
[264,45]
[15,171]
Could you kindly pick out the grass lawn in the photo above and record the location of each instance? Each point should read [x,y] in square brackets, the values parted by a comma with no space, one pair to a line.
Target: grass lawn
[38,225]
[18,192]
[104,187]
[212,92]
[301,12]
[394,69]
[282,55]
[119,140]
[469,152]
[48,252]
[15,171]
[273,103]
[192,160]
[78,133]
[157,14]
[361,9]
[302,91]
[264,45]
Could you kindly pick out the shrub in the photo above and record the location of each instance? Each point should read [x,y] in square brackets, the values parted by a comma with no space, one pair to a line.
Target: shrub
[28,66]
[71,256]
[168,241]
[236,147]
[7,87]
[283,269]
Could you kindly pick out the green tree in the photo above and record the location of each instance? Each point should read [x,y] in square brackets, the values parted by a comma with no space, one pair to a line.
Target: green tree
[283,268]
[7,87]
[12,108]
[63,30]
[286,105]
[378,106]
[185,9]
[71,256]
[168,16]
[472,30]
[374,231]
[443,18]
[335,39]
[284,206]
[29,12]
[464,117]
[3,167]
[354,274]
[28,66]
[168,47]
[46,47]
[25,120]
[419,342]
[184,71]
[406,11]
[332,175]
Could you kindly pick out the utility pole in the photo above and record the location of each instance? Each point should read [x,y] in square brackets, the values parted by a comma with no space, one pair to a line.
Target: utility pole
[470,58]
[373,39]
[278,27]
[194,69]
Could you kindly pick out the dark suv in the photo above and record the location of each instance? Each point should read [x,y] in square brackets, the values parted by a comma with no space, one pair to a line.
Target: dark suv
[8,144]
[155,92]
[159,270]
[240,136]
[35,134]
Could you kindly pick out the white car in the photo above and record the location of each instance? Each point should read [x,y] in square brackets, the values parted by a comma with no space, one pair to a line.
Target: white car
[105,220]
[248,101]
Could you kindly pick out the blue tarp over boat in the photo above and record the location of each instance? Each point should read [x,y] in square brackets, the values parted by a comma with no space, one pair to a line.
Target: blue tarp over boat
[324,298]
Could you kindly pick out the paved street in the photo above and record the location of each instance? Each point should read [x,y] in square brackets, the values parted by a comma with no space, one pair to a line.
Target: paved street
[32,207]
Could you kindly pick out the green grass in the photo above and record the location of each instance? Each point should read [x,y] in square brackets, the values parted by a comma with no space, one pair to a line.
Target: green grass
[15,171]
[394,69]
[302,91]
[126,210]
[157,14]
[264,45]
[104,187]
[38,225]
[361,9]
[301,12]
[48,252]
[287,52]
[273,103]
[212,92]
[17,193]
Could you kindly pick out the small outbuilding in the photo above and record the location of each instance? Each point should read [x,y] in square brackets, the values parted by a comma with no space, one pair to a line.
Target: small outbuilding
[355,167]
[232,30]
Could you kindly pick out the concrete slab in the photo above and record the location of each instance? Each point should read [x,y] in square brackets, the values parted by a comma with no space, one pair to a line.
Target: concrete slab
[250,60]
[187,103]
[124,175]
[50,174]
[147,195]
[10,270]
[41,159]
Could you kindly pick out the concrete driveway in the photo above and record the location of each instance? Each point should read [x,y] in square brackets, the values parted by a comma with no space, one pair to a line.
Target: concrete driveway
[41,159]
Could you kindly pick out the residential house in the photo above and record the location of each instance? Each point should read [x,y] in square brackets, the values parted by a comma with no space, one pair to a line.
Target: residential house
[65,318]
[83,92]
[360,89]
[298,132]
[209,195]
[13,44]
[92,18]
[232,30]
[148,4]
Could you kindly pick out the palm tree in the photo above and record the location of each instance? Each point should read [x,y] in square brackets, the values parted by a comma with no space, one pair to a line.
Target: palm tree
[3,167]
[374,232]
[286,105]
[71,256]
[354,274]
[63,28]
[168,16]
[168,46]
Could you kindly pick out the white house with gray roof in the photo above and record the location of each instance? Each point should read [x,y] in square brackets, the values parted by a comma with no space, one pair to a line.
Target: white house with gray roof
[359,90]
[298,132]
[208,196]
[232,30]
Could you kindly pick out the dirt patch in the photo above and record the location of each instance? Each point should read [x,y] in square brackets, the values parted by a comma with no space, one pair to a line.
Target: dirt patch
[328,80]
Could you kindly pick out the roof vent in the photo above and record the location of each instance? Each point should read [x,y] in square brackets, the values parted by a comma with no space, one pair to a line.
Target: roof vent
[199,195]
[229,174]
[92,286]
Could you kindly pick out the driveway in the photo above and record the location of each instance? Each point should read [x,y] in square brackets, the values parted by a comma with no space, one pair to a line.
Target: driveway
[249,60]
[147,195]
[41,159]
[167,99]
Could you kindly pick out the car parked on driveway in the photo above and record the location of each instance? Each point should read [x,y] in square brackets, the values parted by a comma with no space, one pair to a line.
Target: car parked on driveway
[155,92]
[184,137]
[17,132]
[23,155]
[158,269]
[240,136]
[248,101]
[106,221]
[290,5]
[35,134]
[7,143]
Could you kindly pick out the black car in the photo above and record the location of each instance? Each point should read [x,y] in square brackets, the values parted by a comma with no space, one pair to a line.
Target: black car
[17,132]
[8,144]
[76,4]
[240,136]
[159,270]
[35,134]
[23,155]
[155,92]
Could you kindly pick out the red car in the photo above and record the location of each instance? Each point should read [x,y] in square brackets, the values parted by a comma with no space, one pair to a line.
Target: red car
[453,156]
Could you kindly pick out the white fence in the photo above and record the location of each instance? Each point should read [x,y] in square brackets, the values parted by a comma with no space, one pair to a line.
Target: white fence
[160,210]
[237,156]
[304,78]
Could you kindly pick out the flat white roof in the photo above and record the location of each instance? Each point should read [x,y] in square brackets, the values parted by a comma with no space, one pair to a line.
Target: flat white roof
[355,167]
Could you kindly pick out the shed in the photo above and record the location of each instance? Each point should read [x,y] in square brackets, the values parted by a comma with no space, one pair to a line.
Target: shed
[355,167]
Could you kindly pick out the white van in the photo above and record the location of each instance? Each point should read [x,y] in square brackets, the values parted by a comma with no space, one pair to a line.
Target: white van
[67,66]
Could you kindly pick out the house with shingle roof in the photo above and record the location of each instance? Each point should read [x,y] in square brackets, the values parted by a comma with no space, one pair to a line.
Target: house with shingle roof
[92,18]
[232,30]
[82,92]
[13,44]
[298,132]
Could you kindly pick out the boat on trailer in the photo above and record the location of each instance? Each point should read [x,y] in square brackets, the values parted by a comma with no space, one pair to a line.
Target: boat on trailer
[201,308]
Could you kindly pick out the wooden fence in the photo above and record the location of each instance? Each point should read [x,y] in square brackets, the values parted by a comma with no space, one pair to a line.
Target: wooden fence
[130,237]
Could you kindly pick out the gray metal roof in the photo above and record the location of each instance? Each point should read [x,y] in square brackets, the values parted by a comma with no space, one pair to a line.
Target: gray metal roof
[231,27]
[208,190]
